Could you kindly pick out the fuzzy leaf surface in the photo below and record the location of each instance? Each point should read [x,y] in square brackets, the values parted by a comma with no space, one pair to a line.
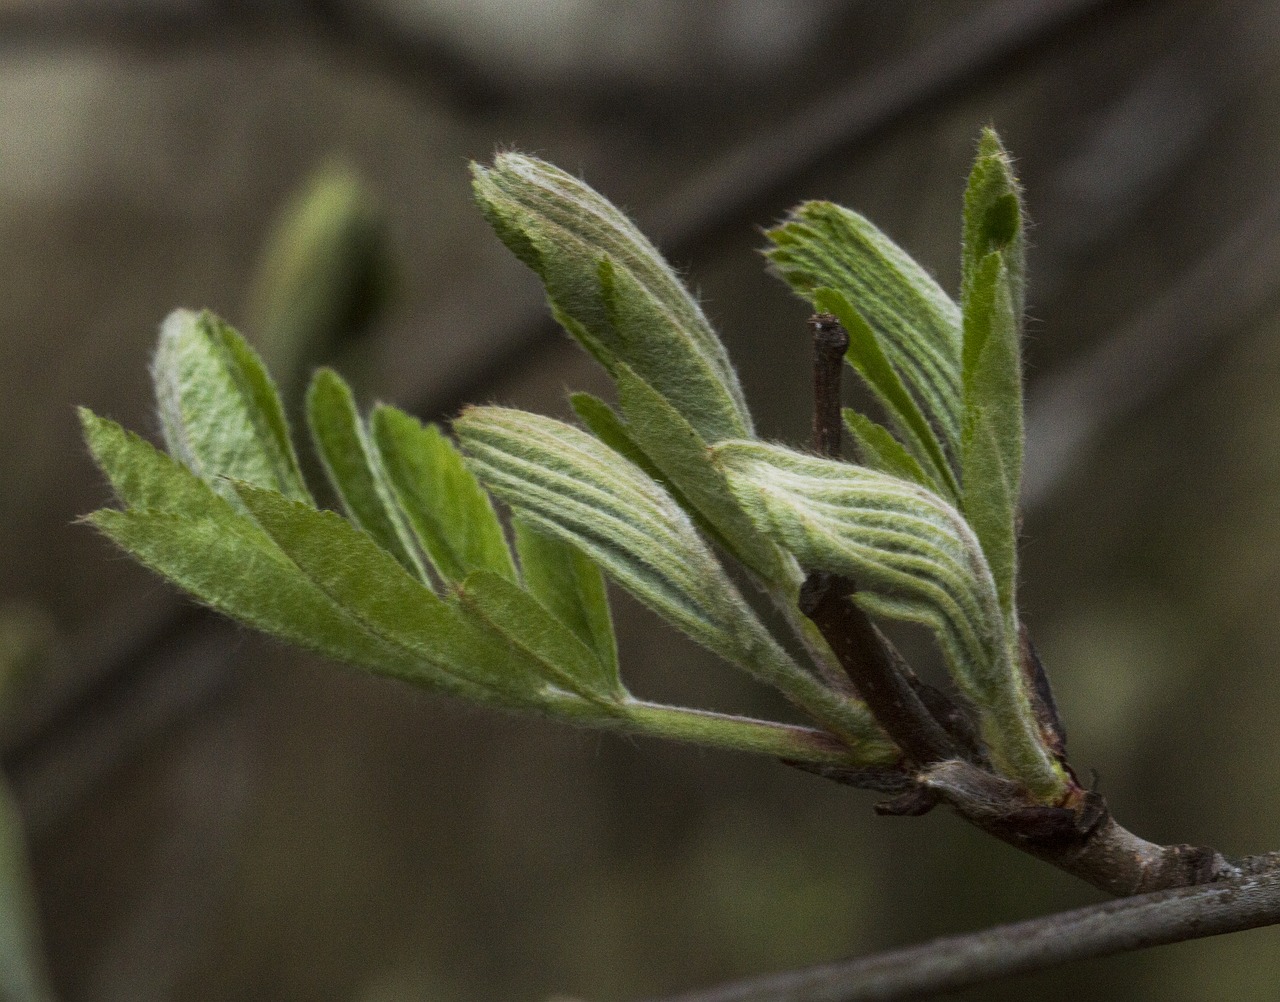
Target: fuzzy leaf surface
[684,460]
[611,289]
[219,410]
[571,588]
[528,625]
[451,515]
[230,565]
[993,221]
[913,557]
[992,449]
[879,450]
[355,468]
[821,245]
[566,483]
[349,567]
[992,300]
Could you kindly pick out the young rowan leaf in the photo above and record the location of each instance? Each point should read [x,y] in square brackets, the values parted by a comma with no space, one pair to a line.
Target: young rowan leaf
[612,290]
[451,515]
[349,567]
[603,422]
[566,483]
[993,221]
[870,362]
[684,460]
[219,410]
[230,564]
[355,468]
[145,478]
[913,557]
[878,449]
[527,624]
[571,588]
[821,245]
[992,299]
[992,446]
[562,481]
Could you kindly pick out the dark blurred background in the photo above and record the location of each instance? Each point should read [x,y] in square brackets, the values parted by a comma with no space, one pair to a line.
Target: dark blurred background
[213,816]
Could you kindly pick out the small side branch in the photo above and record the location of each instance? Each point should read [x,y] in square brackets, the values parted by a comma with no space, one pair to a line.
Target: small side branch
[1248,901]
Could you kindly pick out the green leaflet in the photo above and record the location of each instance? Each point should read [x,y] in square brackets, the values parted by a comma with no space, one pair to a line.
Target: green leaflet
[612,290]
[821,245]
[178,526]
[367,583]
[564,482]
[232,566]
[601,420]
[325,273]
[913,557]
[993,221]
[220,413]
[878,449]
[452,517]
[992,448]
[355,469]
[145,478]
[992,300]
[528,625]
[571,588]
[685,461]
[871,363]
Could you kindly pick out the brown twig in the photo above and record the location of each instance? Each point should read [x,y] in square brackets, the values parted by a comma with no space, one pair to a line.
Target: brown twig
[830,342]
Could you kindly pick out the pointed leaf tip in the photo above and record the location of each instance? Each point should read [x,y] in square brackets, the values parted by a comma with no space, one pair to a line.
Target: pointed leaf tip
[219,410]
[611,289]
[355,468]
[451,516]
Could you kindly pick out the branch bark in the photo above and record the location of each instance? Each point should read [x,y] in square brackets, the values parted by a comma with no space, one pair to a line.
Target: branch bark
[1247,901]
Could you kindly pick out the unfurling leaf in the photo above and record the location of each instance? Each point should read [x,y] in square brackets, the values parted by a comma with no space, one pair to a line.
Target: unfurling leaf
[452,517]
[992,303]
[993,220]
[611,289]
[684,460]
[821,245]
[355,468]
[992,449]
[913,557]
[220,413]
[563,482]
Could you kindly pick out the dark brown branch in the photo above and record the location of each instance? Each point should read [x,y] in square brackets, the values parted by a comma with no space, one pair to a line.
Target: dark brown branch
[830,342]
[954,962]
[862,652]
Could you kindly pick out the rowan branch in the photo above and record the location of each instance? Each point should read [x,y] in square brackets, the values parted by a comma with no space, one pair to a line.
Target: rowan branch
[954,962]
